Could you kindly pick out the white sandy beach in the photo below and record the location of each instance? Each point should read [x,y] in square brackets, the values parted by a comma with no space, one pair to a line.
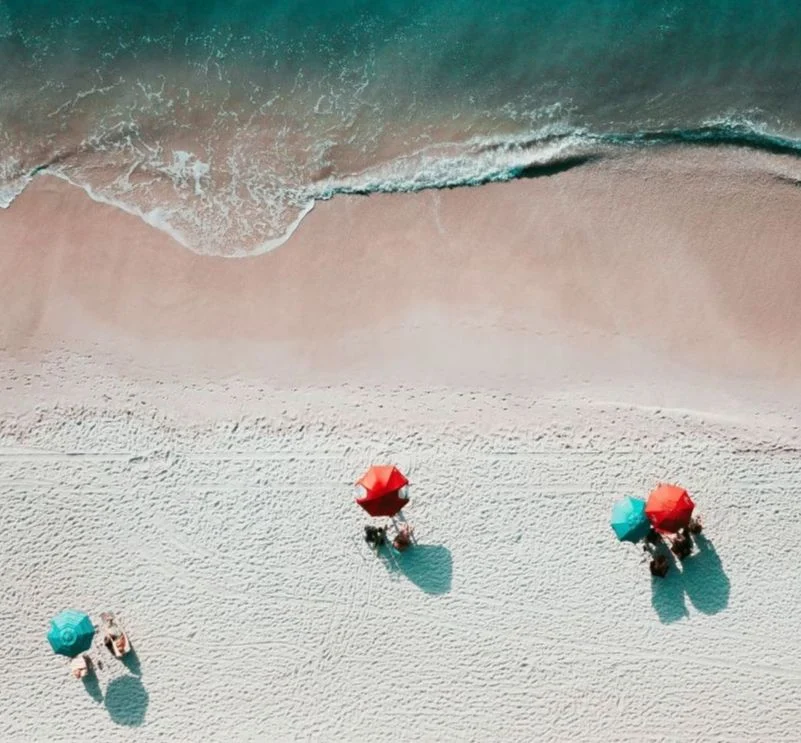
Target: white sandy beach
[179,438]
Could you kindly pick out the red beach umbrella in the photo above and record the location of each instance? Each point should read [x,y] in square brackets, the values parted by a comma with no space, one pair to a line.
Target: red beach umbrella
[669,508]
[383,486]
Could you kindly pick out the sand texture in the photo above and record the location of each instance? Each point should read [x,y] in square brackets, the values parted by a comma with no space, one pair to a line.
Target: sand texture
[232,555]
[179,437]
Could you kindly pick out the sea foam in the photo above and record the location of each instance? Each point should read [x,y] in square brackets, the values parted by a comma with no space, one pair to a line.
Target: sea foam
[224,205]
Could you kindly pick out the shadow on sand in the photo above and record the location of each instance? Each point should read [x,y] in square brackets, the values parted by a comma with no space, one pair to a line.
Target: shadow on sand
[131,662]
[428,566]
[700,576]
[92,686]
[667,594]
[126,701]
[704,580]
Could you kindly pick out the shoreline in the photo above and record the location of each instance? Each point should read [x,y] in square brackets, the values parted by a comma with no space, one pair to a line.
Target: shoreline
[458,162]
[573,279]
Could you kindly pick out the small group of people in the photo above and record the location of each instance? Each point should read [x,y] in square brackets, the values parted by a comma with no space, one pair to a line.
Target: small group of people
[115,640]
[681,545]
[376,537]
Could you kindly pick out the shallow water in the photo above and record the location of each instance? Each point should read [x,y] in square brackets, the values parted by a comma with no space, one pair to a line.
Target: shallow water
[223,122]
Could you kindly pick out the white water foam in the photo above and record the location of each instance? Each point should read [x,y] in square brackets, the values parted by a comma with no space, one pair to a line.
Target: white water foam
[476,162]
[10,188]
[187,168]
[155,218]
[13,178]
[205,208]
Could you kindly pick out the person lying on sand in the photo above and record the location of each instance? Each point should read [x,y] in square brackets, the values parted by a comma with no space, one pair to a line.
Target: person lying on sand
[659,566]
[112,633]
[115,642]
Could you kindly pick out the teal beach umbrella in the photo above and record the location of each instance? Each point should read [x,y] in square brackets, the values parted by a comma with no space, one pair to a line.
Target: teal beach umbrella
[71,633]
[629,521]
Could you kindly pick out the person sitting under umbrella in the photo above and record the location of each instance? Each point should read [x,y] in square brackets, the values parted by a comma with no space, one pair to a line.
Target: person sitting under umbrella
[654,538]
[403,538]
[659,566]
[695,526]
[682,544]
[375,536]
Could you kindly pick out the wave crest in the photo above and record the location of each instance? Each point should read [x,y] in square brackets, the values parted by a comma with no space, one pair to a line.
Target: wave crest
[240,200]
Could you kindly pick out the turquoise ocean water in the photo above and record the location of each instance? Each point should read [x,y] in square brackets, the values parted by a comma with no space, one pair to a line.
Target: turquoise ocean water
[222,122]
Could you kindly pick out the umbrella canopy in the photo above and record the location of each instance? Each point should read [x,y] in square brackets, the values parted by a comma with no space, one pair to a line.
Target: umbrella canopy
[629,521]
[669,508]
[383,486]
[71,633]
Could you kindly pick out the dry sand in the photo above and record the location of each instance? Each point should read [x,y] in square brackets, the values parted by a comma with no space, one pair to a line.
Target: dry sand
[180,434]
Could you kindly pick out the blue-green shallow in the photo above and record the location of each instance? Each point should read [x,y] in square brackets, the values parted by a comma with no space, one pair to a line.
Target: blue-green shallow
[314,95]
[617,64]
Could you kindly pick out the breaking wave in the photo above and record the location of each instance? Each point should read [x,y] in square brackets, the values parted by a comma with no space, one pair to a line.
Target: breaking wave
[224,123]
[234,205]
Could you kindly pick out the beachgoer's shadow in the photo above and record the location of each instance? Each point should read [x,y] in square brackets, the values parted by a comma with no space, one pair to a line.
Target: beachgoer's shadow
[131,662]
[428,566]
[667,594]
[126,701]
[706,584]
[92,686]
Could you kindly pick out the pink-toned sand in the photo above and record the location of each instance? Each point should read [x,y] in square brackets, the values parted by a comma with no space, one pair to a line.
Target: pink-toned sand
[693,256]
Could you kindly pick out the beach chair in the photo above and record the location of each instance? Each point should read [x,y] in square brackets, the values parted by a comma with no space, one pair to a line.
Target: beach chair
[114,638]
[404,538]
[81,666]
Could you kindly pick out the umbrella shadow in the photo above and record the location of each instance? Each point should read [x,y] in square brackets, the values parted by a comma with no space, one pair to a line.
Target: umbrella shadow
[92,686]
[127,700]
[705,581]
[428,566]
[667,594]
[131,661]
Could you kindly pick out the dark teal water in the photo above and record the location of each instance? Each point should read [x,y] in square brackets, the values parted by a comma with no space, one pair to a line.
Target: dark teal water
[223,121]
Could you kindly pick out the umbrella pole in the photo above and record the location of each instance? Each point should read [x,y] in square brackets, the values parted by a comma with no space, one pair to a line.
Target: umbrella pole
[401,517]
